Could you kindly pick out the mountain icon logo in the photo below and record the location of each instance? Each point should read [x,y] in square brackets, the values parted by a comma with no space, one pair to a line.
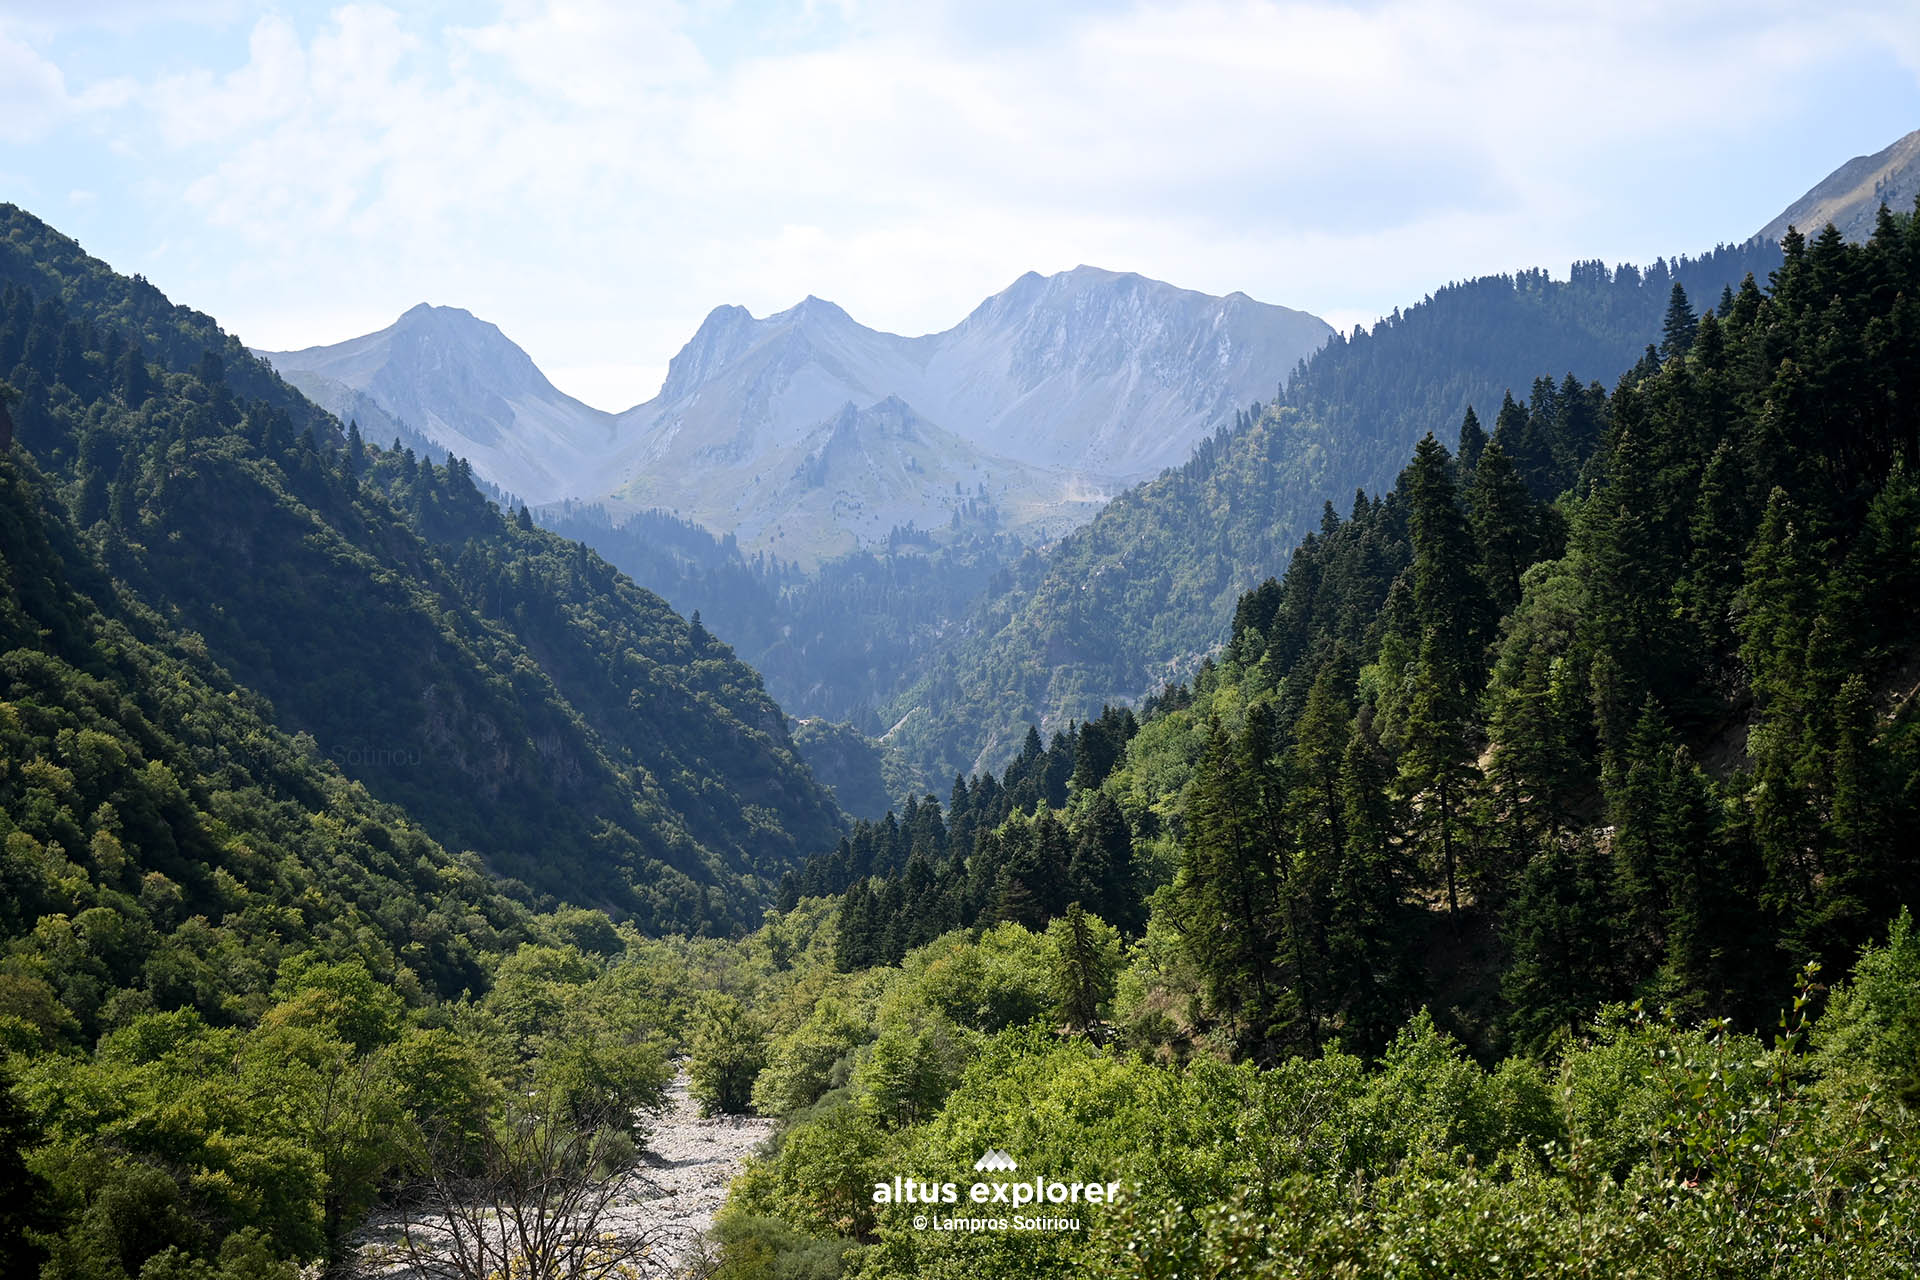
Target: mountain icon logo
[995,1161]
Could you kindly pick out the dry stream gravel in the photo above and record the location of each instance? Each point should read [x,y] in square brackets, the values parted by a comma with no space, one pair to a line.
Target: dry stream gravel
[672,1194]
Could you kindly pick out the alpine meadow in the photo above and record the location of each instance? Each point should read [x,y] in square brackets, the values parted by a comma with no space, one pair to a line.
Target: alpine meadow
[1111,779]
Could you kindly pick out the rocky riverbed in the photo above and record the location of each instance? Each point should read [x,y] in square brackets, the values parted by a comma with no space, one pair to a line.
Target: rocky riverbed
[682,1179]
[669,1197]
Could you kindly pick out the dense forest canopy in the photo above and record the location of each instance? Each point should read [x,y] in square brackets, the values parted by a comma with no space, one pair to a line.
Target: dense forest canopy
[1488,850]
[507,688]
[1134,599]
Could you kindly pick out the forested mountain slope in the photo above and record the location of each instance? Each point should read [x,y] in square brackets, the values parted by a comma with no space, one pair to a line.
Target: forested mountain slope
[1652,739]
[166,843]
[833,641]
[241,999]
[1663,716]
[243,995]
[507,688]
[1136,596]
[1481,873]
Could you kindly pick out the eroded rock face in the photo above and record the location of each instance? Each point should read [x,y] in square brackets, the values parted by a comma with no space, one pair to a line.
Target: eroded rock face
[1103,371]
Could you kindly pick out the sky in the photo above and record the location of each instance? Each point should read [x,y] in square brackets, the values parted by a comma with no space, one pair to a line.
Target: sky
[595,177]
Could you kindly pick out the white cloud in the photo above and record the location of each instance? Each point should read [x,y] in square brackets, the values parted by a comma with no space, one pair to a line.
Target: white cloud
[594,53]
[198,108]
[595,176]
[33,92]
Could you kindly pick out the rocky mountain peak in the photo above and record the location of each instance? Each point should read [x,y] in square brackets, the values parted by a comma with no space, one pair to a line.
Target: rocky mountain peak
[1850,197]
[722,337]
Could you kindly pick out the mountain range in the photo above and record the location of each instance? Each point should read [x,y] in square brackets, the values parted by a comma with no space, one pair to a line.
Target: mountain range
[809,434]
[459,382]
[777,432]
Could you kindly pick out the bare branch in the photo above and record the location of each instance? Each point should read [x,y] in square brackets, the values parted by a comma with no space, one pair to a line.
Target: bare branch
[536,1200]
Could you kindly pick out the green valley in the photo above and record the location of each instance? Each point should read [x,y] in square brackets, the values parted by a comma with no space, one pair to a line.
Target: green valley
[1456,817]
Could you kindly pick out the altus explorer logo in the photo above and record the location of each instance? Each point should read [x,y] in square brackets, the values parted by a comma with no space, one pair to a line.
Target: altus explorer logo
[1034,1192]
